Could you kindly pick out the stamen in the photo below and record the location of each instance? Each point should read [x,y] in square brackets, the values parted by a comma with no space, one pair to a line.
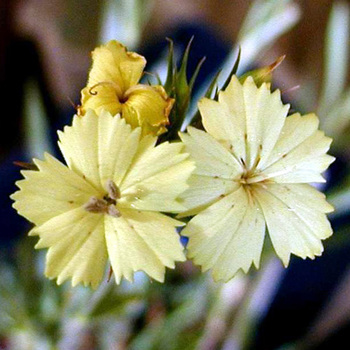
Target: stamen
[96,205]
[249,195]
[113,211]
[112,190]
[107,204]
[243,181]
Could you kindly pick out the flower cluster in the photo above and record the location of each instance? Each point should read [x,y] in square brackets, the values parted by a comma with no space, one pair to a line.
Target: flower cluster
[248,170]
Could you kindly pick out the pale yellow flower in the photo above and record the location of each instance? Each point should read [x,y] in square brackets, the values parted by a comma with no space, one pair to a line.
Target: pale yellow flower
[253,167]
[106,204]
[113,86]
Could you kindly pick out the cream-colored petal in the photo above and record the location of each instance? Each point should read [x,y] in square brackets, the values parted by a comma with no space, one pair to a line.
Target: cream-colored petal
[156,177]
[227,236]
[99,147]
[211,158]
[159,192]
[142,241]
[118,145]
[265,117]
[153,160]
[302,164]
[51,191]
[225,120]
[146,144]
[204,191]
[248,117]
[148,107]
[296,130]
[245,246]
[295,219]
[77,247]
[113,63]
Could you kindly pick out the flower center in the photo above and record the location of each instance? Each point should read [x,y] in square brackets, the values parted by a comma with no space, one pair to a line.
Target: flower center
[247,175]
[107,204]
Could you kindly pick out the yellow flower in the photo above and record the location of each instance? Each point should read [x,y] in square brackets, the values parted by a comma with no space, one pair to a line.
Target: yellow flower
[113,86]
[106,204]
[252,170]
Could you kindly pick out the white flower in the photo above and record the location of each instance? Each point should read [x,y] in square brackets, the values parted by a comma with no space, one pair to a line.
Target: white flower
[252,170]
[105,205]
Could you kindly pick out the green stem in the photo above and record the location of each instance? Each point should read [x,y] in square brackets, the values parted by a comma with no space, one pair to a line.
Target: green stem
[260,292]
[226,299]
[102,293]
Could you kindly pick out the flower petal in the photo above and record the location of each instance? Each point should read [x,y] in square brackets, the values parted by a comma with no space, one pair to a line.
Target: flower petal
[248,117]
[303,163]
[117,146]
[142,241]
[148,107]
[51,191]
[296,130]
[227,236]
[265,115]
[157,176]
[77,247]
[99,148]
[295,219]
[211,158]
[100,98]
[225,120]
[113,63]
[203,191]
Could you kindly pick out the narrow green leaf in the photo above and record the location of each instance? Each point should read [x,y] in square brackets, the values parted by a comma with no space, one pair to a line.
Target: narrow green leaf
[337,123]
[234,69]
[159,81]
[182,83]
[196,120]
[169,83]
[265,22]
[337,50]
[213,85]
[195,74]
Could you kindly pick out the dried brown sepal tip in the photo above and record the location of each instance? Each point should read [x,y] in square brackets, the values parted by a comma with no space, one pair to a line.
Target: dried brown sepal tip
[264,74]
[74,105]
[27,166]
[110,274]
